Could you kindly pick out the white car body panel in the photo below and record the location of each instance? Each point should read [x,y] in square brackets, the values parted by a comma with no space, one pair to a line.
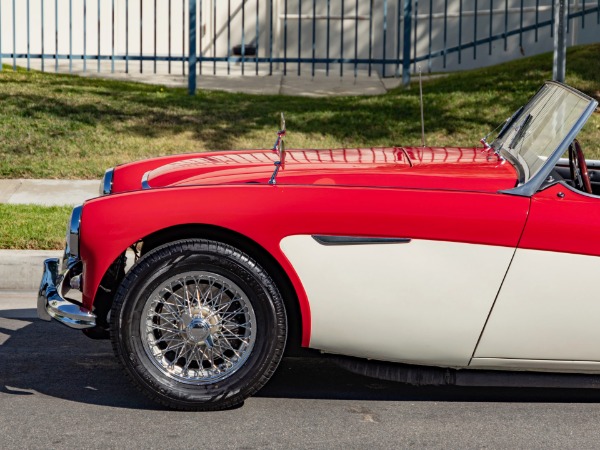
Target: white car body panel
[545,310]
[423,302]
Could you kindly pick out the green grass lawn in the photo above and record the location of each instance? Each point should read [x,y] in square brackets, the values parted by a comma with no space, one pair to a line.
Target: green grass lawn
[33,227]
[61,126]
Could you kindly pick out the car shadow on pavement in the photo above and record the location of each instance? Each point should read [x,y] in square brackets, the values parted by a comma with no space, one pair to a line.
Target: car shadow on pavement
[49,359]
[321,378]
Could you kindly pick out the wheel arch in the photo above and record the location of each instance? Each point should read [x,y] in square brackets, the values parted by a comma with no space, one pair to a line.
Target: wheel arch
[252,249]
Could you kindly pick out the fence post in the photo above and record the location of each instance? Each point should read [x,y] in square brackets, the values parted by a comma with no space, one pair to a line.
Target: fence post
[560,42]
[192,48]
[1,40]
[406,42]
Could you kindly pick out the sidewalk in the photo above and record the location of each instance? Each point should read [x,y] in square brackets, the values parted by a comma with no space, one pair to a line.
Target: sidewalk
[305,86]
[47,192]
[319,85]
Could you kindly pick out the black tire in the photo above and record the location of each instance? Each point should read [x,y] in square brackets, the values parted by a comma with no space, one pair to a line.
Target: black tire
[170,385]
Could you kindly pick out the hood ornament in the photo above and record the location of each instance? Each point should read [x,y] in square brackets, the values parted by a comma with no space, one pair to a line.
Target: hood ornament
[279,148]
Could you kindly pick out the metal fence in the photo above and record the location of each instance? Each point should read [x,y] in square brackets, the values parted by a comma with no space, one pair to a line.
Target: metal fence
[293,37]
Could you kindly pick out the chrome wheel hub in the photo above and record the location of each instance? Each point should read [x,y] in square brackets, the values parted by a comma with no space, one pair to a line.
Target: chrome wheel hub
[198,327]
[198,330]
[200,324]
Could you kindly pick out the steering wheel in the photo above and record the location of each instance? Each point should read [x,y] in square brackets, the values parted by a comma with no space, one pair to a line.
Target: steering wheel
[578,167]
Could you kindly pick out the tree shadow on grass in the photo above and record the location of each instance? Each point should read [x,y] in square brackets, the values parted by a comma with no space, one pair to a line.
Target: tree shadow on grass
[463,105]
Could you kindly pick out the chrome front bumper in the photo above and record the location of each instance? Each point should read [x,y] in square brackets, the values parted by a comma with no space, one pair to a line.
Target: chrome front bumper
[51,301]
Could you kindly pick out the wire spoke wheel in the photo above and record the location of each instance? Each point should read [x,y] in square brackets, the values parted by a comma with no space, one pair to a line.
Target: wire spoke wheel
[198,327]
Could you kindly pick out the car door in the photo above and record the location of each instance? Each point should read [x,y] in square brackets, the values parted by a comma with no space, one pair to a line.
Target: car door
[547,314]
[422,291]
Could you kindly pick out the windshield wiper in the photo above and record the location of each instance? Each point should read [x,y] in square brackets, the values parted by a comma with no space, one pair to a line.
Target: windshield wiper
[509,122]
[520,131]
[496,143]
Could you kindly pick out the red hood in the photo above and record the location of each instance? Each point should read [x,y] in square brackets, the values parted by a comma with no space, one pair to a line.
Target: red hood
[472,169]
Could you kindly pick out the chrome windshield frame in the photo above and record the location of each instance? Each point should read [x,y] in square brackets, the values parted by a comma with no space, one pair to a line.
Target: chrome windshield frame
[526,188]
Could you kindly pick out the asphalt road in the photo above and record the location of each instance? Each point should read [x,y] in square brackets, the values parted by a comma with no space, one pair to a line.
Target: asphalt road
[60,389]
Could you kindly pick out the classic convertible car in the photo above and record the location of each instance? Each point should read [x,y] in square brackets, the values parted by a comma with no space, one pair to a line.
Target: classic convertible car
[461,258]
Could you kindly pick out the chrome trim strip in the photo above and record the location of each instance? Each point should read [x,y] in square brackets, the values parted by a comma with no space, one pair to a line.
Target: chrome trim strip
[357,240]
[52,305]
[73,231]
[145,184]
[107,182]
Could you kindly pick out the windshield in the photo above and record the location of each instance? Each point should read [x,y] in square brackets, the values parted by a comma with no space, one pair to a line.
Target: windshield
[537,130]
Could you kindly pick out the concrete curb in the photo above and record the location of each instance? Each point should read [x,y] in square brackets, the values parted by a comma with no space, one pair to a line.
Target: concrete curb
[22,269]
[17,304]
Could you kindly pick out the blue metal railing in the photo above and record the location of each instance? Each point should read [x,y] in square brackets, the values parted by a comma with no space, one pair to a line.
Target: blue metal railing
[295,36]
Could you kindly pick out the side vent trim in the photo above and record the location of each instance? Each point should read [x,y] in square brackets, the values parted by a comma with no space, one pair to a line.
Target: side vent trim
[357,240]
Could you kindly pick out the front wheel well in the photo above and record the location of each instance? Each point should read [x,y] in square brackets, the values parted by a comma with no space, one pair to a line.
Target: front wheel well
[252,249]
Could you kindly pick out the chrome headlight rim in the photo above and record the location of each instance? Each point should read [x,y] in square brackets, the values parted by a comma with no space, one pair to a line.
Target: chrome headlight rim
[106,184]
[73,228]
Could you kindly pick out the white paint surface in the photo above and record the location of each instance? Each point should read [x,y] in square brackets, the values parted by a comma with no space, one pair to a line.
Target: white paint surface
[423,302]
[547,309]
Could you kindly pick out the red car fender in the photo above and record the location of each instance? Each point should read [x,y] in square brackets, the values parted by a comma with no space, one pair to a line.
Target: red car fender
[114,223]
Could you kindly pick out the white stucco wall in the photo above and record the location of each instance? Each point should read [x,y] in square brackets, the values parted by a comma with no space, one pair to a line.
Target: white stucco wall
[141,39]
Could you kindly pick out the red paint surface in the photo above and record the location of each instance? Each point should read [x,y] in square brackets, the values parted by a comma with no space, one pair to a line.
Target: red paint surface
[267,214]
[570,224]
[471,169]
[128,177]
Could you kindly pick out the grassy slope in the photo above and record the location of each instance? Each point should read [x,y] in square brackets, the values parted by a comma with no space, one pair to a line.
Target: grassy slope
[60,126]
[33,227]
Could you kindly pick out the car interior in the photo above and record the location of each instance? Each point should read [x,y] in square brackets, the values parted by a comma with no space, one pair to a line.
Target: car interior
[576,172]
